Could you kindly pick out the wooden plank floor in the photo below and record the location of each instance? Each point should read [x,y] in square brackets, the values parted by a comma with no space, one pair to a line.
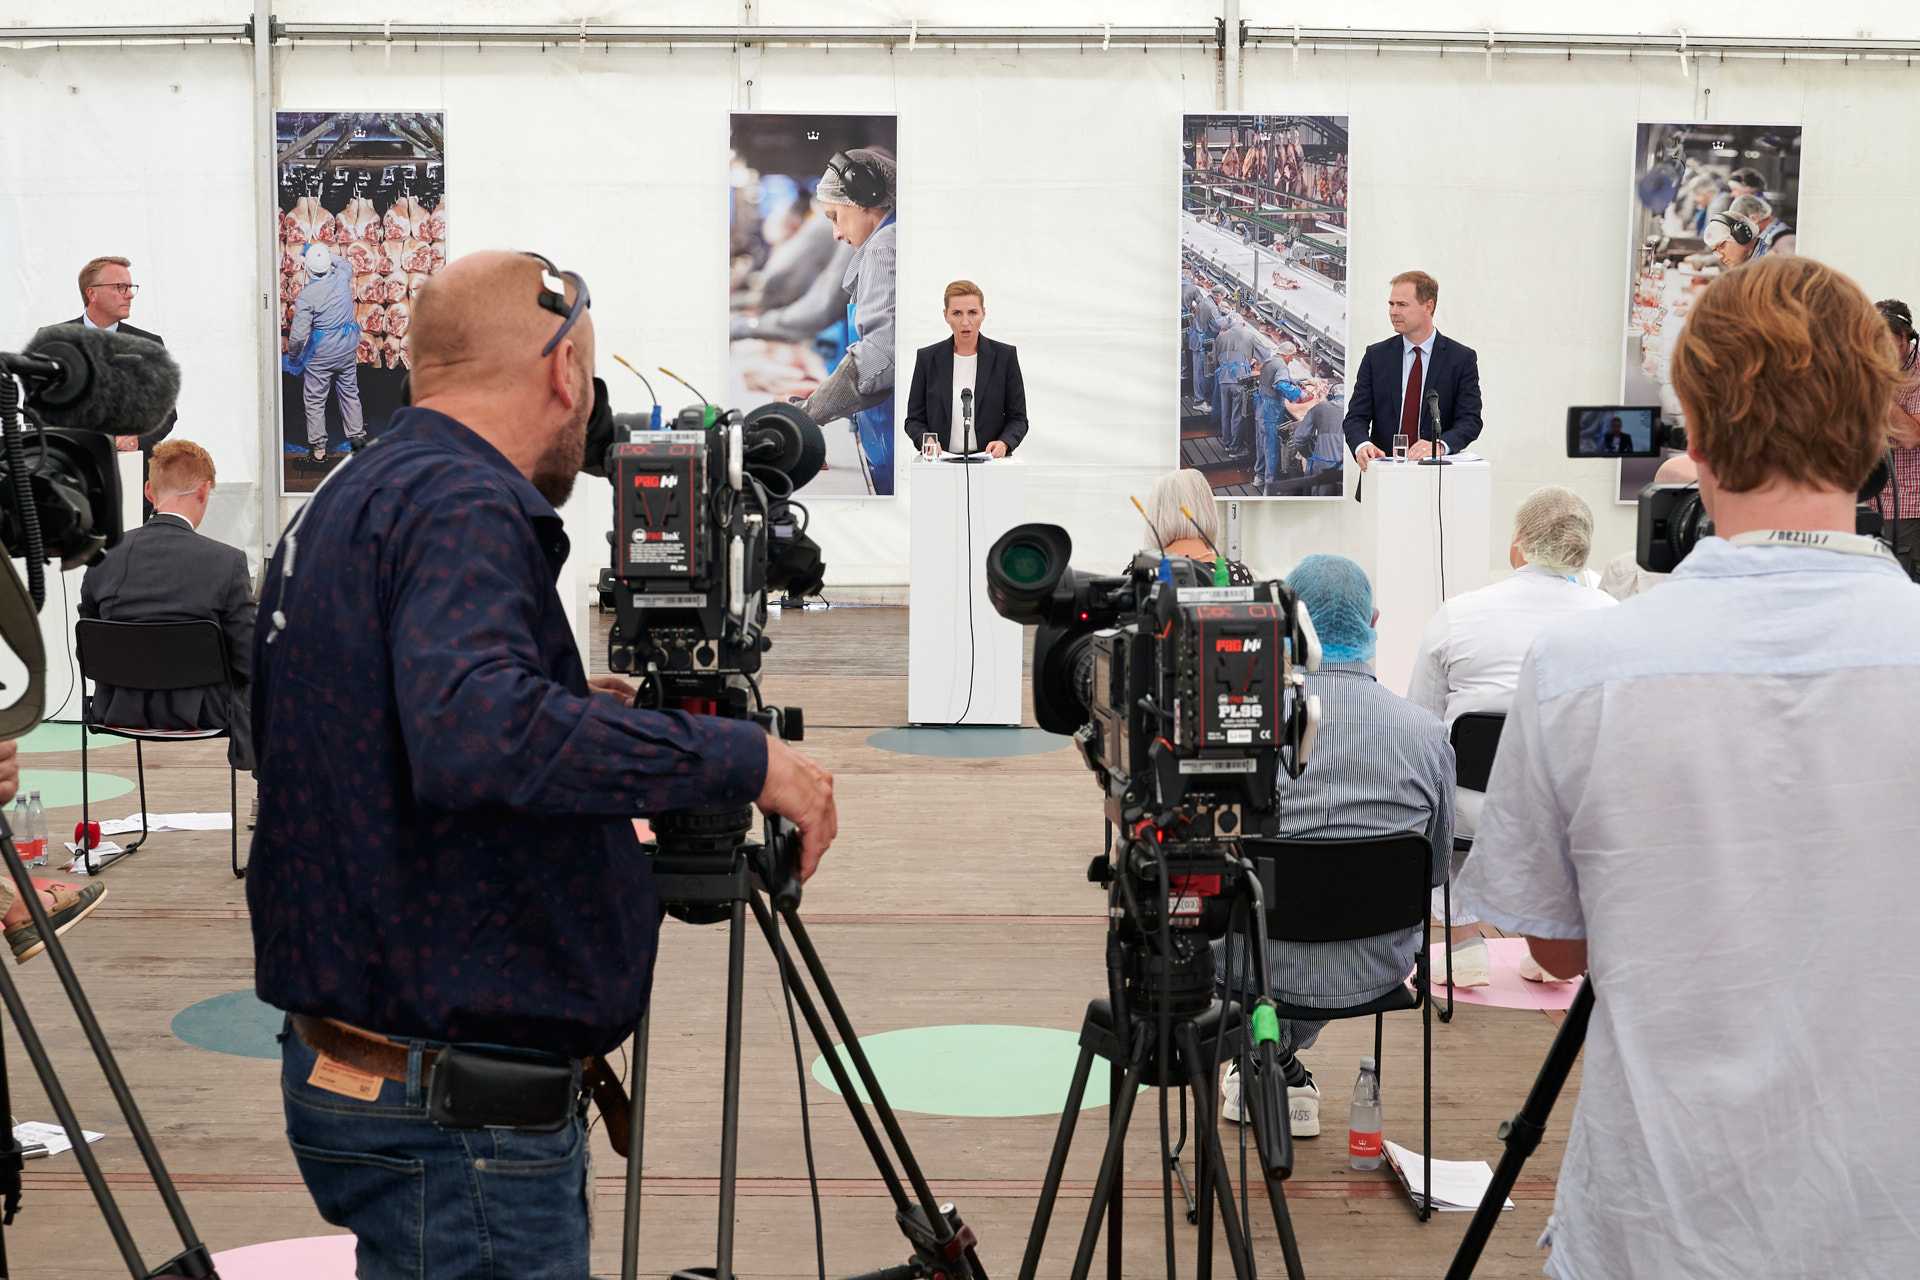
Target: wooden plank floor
[956,895]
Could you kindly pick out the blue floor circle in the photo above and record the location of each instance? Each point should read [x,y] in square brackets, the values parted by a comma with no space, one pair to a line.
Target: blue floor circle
[55,735]
[60,789]
[972,1070]
[236,1023]
[968,742]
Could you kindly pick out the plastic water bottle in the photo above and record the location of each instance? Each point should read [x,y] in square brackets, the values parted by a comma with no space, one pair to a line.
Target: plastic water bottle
[17,822]
[1363,1118]
[36,831]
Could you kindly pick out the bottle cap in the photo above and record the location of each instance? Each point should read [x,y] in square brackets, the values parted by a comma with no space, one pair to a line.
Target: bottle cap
[1368,1064]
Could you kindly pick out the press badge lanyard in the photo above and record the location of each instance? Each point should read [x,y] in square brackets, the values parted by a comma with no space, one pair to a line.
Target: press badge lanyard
[1852,544]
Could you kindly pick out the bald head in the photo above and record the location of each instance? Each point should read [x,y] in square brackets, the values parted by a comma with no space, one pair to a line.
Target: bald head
[478,330]
[480,320]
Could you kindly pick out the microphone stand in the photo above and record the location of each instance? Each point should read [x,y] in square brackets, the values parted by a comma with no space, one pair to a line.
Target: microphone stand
[1433,410]
[965,454]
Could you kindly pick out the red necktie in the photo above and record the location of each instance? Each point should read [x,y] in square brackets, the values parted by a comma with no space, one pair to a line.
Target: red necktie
[1410,407]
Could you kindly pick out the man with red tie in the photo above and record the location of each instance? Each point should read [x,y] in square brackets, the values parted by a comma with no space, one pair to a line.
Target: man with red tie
[1390,392]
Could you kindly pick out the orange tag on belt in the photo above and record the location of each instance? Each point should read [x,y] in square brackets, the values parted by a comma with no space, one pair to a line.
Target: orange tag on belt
[349,1082]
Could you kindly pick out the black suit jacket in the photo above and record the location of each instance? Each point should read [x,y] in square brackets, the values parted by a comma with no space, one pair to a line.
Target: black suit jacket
[159,433]
[164,571]
[1373,410]
[999,395]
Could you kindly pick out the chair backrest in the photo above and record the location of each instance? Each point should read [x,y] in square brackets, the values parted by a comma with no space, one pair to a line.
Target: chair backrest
[1337,890]
[1476,739]
[155,656]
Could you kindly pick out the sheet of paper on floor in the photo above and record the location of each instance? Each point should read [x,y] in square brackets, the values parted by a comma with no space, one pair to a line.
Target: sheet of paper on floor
[51,1136]
[1458,1185]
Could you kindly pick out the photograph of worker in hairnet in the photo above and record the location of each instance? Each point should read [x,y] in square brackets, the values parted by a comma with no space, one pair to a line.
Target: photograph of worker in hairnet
[812,243]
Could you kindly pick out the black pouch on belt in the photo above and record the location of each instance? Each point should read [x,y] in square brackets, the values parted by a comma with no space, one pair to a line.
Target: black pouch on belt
[498,1089]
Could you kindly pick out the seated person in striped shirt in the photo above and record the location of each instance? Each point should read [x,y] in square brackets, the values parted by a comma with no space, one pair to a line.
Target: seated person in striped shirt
[1381,766]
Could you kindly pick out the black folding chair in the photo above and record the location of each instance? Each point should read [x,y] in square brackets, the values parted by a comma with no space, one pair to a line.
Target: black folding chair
[1341,890]
[1476,740]
[155,657]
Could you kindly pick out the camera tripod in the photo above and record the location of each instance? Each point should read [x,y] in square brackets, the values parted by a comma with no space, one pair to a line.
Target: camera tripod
[1522,1134]
[705,871]
[1160,1044]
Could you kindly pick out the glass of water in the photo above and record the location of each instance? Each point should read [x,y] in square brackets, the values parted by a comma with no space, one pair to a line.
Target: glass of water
[930,446]
[1400,448]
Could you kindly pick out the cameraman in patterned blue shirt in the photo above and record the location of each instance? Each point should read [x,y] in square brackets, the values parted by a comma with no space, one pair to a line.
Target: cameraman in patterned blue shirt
[446,884]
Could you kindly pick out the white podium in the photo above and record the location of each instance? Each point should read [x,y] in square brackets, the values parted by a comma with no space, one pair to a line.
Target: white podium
[946,646]
[1429,523]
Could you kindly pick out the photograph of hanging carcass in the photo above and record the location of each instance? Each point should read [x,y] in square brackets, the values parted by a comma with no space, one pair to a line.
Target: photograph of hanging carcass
[811,249]
[1263,303]
[1706,198]
[362,227]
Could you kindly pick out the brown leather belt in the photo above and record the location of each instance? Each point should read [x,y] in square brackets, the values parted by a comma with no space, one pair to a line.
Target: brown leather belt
[362,1050]
[376,1055]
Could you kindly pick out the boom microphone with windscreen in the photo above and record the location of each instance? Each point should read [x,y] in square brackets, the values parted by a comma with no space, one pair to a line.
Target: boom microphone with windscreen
[95,380]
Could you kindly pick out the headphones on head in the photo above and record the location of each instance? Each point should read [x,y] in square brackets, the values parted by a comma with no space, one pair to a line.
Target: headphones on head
[863,179]
[1739,229]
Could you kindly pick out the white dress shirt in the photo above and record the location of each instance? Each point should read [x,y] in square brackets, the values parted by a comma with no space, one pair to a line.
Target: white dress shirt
[965,371]
[1713,784]
[86,318]
[1471,651]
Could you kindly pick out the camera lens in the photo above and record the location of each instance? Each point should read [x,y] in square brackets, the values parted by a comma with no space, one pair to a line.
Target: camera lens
[1024,563]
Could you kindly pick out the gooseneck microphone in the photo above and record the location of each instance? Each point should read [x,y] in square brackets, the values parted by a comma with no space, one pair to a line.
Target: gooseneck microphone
[1433,411]
[93,380]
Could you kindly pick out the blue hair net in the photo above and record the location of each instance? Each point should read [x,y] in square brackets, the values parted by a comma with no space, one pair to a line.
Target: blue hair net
[1339,599]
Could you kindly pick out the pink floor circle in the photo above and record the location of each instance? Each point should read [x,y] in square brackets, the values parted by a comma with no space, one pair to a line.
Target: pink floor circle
[1507,990]
[312,1258]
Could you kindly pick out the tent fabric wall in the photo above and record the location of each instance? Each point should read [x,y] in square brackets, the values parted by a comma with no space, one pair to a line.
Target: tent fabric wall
[1047,175]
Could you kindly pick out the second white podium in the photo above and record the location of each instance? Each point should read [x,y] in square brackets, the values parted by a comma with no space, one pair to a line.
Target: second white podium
[963,659]
[1431,541]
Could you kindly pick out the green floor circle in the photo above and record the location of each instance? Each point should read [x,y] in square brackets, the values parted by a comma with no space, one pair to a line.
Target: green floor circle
[236,1023]
[973,1070]
[967,742]
[55,736]
[60,788]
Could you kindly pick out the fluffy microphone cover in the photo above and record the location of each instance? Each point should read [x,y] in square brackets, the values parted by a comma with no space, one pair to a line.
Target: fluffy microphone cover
[112,382]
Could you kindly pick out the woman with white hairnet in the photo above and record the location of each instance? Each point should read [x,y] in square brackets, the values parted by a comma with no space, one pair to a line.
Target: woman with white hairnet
[856,195]
[320,348]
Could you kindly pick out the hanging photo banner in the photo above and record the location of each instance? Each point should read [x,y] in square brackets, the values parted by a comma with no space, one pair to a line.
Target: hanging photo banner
[1706,198]
[363,226]
[1263,303]
[812,248]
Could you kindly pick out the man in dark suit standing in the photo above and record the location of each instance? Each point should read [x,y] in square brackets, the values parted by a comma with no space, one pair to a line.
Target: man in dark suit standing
[1389,394]
[106,291]
[968,373]
[164,571]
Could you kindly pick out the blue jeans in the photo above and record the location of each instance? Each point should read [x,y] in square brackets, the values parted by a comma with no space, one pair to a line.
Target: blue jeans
[1270,415]
[1196,346]
[429,1203]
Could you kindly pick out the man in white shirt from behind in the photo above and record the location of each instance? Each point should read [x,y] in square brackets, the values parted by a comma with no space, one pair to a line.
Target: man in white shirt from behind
[1471,650]
[1706,799]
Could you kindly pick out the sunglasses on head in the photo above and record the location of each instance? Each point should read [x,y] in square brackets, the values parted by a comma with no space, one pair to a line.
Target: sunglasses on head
[553,297]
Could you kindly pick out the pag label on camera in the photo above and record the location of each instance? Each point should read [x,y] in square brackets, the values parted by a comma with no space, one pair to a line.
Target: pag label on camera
[1243,765]
[677,601]
[1216,595]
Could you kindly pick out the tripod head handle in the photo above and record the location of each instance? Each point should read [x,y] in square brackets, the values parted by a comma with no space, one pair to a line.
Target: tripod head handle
[780,864]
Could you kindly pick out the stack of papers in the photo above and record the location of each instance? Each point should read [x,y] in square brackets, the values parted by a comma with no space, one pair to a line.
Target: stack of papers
[51,1136]
[169,822]
[1458,1185]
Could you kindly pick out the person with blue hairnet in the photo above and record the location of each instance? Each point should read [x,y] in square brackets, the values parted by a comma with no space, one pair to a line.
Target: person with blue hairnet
[1381,766]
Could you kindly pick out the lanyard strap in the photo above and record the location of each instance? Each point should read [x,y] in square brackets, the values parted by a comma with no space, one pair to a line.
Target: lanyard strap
[1852,544]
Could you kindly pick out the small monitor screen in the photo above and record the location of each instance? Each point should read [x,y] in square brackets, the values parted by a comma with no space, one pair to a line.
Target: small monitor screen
[1612,431]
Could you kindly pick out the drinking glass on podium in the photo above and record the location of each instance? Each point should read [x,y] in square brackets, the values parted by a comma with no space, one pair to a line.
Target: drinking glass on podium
[930,446]
[1400,448]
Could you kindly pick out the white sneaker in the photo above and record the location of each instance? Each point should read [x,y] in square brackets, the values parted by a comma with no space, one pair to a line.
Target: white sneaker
[1231,1106]
[1532,972]
[1470,964]
[1303,1110]
[1303,1104]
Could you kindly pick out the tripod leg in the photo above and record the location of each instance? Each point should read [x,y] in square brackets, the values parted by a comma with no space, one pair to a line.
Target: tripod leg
[1116,1207]
[730,1099]
[636,1150]
[1104,1190]
[1208,1127]
[1057,1164]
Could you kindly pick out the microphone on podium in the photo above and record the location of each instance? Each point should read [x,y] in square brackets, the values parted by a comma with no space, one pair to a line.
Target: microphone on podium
[1433,411]
[963,447]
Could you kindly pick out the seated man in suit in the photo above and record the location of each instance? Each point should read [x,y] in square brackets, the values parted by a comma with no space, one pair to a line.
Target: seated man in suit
[967,373]
[1381,766]
[1389,393]
[164,571]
